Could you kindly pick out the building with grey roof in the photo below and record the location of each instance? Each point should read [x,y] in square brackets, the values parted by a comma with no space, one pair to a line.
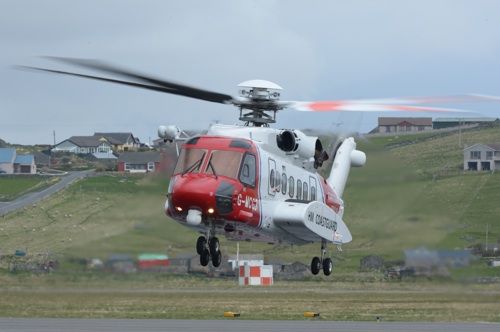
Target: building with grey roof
[83,145]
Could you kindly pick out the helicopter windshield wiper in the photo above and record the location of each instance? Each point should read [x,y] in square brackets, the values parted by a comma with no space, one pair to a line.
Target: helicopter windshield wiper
[211,165]
[196,165]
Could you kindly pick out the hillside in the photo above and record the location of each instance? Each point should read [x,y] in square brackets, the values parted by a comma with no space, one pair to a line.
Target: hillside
[404,198]
[439,203]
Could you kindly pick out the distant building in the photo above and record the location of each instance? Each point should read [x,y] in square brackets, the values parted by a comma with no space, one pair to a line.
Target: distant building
[422,259]
[12,163]
[25,164]
[83,145]
[393,125]
[41,159]
[482,157]
[440,123]
[7,157]
[121,142]
[139,162]
[235,261]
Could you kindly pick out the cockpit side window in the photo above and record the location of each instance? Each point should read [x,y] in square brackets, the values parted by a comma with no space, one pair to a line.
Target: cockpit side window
[248,172]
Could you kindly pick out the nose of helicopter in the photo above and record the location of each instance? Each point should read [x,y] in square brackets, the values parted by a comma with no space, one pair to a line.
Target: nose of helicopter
[206,194]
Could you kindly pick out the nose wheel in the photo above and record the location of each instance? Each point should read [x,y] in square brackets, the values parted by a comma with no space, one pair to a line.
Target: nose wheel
[318,264]
[209,250]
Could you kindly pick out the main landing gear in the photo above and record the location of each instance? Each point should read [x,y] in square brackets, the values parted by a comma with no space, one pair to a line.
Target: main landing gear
[322,263]
[209,250]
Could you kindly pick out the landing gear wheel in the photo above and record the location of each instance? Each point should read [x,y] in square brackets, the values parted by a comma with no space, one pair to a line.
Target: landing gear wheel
[205,258]
[200,245]
[327,266]
[315,265]
[214,245]
[217,258]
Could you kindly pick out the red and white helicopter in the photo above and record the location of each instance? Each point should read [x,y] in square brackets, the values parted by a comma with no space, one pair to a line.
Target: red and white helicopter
[255,183]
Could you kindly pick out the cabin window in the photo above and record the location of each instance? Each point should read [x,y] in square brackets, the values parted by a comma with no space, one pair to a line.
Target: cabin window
[272,178]
[299,189]
[283,183]
[313,193]
[151,166]
[305,191]
[291,186]
[248,170]
[278,182]
[312,184]
[224,163]
[190,160]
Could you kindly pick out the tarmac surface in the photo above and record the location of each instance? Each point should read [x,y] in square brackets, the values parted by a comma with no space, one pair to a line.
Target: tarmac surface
[236,324]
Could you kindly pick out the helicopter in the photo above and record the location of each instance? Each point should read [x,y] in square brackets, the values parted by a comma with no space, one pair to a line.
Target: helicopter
[252,182]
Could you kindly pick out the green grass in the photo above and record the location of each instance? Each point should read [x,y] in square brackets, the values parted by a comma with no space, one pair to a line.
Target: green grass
[13,187]
[99,295]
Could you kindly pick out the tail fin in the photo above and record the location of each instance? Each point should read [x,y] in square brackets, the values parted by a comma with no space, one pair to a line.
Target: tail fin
[346,157]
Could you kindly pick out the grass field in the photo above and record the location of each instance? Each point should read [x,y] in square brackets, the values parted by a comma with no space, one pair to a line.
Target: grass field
[91,295]
[11,187]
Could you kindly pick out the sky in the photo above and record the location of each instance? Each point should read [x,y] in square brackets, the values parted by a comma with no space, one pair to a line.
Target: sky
[315,50]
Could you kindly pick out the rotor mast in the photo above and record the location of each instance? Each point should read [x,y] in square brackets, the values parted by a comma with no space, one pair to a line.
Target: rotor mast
[264,104]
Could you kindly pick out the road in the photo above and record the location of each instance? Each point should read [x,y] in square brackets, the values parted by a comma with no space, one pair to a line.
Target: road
[173,325]
[32,198]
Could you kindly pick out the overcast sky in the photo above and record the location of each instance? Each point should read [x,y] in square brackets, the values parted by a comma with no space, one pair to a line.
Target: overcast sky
[315,50]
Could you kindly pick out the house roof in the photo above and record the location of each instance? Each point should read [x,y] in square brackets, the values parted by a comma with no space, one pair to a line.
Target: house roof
[465,120]
[117,138]
[100,155]
[7,155]
[139,157]
[493,146]
[382,121]
[41,158]
[86,141]
[24,159]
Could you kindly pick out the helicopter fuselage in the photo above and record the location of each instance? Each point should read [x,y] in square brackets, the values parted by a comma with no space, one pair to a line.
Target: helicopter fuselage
[247,189]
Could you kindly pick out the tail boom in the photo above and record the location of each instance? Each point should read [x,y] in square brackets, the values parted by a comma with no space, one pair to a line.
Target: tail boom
[346,157]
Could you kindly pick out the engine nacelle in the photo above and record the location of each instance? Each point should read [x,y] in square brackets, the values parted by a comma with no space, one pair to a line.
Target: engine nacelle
[295,141]
[169,133]
[306,147]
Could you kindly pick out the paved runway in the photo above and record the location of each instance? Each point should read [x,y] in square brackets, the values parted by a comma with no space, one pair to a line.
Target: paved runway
[173,325]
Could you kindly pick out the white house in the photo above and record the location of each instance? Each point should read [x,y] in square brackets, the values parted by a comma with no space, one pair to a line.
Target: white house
[482,157]
[83,145]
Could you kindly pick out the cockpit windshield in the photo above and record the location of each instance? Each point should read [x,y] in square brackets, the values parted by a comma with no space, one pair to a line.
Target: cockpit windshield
[190,161]
[220,163]
[224,163]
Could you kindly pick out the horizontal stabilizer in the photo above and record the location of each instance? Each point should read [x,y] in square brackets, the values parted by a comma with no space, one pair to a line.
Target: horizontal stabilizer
[311,221]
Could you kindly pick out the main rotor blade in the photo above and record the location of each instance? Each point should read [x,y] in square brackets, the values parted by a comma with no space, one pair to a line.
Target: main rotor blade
[341,106]
[390,104]
[152,83]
